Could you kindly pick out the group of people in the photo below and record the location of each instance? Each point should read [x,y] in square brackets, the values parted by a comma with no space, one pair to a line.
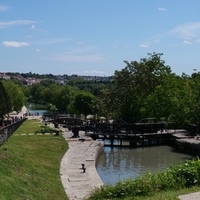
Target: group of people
[9,120]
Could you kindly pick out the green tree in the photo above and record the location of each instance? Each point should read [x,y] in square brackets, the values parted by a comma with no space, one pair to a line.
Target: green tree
[36,91]
[105,106]
[84,103]
[16,96]
[51,92]
[133,85]
[170,101]
[65,98]
[194,95]
[5,105]
[123,95]
[46,82]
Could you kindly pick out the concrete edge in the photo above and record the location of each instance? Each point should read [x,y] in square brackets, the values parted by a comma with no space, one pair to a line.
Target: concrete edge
[79,185]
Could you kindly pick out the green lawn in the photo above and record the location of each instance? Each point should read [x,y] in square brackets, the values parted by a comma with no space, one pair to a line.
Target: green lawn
[30,164]
[166,195]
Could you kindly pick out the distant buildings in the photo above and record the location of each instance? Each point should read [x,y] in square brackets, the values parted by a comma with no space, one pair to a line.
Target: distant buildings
[30,79]
[4,76]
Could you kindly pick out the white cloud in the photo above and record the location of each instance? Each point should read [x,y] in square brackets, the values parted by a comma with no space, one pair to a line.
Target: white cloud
[187,31]
[144,45]
[33,27]
[14,44]
[15,23]
[186,42]
[162,9]
[4,8]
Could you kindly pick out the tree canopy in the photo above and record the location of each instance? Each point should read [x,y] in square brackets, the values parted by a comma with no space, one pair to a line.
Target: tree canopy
[5,105]
[148,88]
[11,97]
[144,88]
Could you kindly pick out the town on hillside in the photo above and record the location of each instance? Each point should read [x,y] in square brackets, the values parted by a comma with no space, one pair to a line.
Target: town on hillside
[32,78]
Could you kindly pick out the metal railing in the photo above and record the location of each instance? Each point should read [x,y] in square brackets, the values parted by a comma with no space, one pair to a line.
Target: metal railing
[7,131]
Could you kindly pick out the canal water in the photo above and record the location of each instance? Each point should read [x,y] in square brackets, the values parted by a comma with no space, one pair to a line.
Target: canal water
[36,109]
[117,164]
[37,112]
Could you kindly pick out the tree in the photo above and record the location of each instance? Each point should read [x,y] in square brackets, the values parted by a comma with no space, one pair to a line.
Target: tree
[5,105]
[64,99]
[84,103]
[35,92]
[47,82]
[16,96]
[148,73]
[194,95]
[124,95]
[133,85]
[104,104]
[170,101]
[50,93]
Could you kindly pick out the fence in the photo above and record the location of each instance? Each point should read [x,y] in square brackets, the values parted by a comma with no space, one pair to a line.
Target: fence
[7,131]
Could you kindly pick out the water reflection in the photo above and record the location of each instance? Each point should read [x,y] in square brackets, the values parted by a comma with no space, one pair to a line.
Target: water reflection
[116,164]
[36,109]
[37,112]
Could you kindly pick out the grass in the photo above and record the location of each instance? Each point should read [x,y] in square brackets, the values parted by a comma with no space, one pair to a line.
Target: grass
[29,126]
[164,195]
[30,164]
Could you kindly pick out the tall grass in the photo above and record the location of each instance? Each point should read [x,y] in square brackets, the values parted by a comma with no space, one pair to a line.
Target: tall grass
[29,165]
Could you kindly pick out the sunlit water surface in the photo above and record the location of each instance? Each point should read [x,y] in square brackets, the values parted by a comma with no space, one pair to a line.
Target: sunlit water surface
[116,164]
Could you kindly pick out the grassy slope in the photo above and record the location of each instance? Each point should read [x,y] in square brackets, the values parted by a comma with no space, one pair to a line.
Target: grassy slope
[29,165]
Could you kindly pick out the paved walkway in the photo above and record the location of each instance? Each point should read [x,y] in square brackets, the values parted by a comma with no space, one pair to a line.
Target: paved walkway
[192,196]
[79,184]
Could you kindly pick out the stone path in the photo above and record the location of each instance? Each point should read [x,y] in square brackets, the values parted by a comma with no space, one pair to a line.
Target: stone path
[77,183]
[192,196]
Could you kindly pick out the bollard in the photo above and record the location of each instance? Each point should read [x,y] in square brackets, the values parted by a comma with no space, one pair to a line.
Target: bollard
[83,167]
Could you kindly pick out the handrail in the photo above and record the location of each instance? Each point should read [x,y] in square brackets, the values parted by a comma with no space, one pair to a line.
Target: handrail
[7,131]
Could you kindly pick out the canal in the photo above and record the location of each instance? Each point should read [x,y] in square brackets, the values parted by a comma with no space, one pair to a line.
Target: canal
[115,164]
[36,109]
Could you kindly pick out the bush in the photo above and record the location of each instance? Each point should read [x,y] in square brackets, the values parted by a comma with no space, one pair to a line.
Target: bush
[47,129]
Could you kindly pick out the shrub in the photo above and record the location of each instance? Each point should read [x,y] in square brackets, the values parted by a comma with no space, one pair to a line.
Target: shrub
[47,129]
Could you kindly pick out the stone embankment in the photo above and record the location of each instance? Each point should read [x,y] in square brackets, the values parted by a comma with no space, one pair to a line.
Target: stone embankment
[189,145]
[78,166]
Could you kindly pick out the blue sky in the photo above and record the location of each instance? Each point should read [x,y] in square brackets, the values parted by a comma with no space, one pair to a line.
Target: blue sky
[94,37]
